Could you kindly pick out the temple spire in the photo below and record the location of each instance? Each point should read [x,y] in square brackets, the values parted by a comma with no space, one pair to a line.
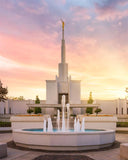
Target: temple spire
[62,44]
[62,29]
[63,66]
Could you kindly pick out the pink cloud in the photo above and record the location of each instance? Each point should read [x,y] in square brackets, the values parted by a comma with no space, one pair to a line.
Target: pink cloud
[60,1]
[34,8]
[30,37]
[90,28]
[111,15]
[80,13]
[30,52]
[109,10]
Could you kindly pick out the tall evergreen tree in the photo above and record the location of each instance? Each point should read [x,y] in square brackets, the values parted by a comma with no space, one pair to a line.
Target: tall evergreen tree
[90,101]
[37,109]
[89,110]
[37,101]
[3,93]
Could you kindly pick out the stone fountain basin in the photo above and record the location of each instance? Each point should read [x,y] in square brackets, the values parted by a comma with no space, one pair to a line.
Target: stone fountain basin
[64,141]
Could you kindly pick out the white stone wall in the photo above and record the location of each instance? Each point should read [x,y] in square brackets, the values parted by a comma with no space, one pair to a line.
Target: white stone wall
[19,122]
[76,111]
[2,106]
[74,92]
[63,87]
[15,106]
[18,107]
[99,122]
[122,106]
[107,106]
[50,111]
[51,92]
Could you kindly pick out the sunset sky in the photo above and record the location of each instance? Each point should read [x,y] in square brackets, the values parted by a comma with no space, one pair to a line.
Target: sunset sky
[96,35]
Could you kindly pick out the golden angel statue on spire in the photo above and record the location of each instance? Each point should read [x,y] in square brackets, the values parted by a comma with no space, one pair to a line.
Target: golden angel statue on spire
[62,24]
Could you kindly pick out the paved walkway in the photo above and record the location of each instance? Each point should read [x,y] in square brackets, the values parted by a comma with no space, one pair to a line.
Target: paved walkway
[5,129]
[122,129]
[15,154]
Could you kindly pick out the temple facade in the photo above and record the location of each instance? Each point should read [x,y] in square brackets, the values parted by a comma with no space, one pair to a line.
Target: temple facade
[63,84]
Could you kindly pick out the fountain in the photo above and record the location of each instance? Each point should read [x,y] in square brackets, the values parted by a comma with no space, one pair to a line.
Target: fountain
[50,127]
[63,138]
[63,116]
[58,119]
[68,115]
[75,124]
[44,126]
[82,125]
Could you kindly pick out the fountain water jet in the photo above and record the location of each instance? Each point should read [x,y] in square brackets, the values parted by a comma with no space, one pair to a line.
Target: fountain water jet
[75,124]
[50,127]
[68,115]
[44,129]
[78,126]
[63,117]
[83,125]
[58,119]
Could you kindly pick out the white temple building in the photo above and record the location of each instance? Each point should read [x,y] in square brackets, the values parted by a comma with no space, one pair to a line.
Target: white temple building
[63,85]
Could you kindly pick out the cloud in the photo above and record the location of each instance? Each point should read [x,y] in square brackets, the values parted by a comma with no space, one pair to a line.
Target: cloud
[30,44]
[29,6]
[80,13]
[30,52]
[109,5]
[33,7]
[60,2]
[109,9]
[8,64]
[90,28]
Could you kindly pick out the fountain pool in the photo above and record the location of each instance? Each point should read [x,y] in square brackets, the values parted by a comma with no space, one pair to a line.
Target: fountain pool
[63,141]
[56,130]
[64,138]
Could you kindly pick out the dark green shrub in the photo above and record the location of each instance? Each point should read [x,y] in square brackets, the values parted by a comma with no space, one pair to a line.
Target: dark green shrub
[5,124]
[73,115]
[29,110]
[89,110]
[98,110]
[37,110]
[122,124]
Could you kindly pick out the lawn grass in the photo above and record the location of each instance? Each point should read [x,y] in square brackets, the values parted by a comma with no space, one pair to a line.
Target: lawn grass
[122,124]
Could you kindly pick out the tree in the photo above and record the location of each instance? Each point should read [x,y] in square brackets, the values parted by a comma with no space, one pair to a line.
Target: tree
[98,110]
[29,110]
[20,98]
[89,110]
[90,101]
[3,93]
[37,101]
[37,109]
